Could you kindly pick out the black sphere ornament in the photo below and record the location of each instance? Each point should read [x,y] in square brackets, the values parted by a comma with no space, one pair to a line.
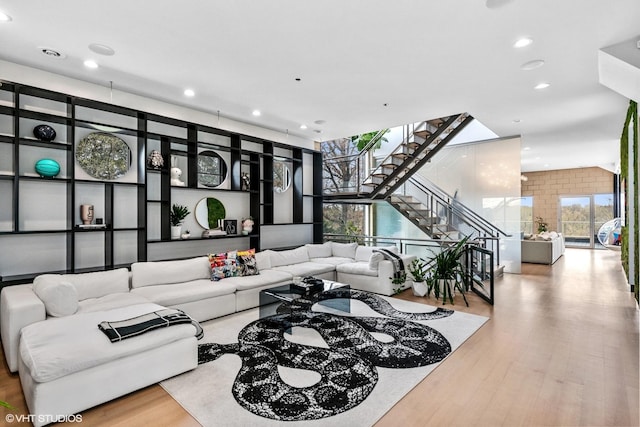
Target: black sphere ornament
[44,133]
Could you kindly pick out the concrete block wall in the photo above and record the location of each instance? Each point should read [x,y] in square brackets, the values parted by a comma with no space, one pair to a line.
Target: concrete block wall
[547,186]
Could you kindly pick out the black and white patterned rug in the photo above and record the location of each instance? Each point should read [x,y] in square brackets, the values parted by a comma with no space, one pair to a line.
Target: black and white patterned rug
[317,366]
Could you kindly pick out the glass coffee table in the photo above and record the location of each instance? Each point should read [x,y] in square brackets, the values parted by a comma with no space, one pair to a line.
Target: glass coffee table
[333,295]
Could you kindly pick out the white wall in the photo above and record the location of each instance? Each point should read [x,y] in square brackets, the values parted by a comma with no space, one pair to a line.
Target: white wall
[46,80]
[486,176]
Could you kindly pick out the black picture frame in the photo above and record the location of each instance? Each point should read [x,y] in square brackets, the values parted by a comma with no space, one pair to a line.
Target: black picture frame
[231,226]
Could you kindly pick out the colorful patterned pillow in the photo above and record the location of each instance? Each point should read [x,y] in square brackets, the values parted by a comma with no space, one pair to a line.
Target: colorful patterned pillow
[223,265]
[246,263]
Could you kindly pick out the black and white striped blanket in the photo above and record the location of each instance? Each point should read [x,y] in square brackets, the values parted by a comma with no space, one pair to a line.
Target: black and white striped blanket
[123,329]
[396,260]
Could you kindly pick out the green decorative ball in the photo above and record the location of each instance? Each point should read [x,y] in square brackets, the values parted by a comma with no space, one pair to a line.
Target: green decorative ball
[47,168]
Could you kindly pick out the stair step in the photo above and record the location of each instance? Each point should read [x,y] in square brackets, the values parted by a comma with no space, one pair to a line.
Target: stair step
[400,155]
[413,145]
[424,134]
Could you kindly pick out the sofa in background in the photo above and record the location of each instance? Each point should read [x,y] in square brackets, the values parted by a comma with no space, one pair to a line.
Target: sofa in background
[543,248]
[50,334]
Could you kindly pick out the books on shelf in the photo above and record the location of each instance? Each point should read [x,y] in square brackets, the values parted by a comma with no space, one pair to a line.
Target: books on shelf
[92,226]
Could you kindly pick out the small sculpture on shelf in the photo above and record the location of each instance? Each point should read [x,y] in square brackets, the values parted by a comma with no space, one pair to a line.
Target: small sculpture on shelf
[44,133]
[185,235]
[247,225]
[176,173]
[155,160]
[86,214]
[47,168]
[246,181]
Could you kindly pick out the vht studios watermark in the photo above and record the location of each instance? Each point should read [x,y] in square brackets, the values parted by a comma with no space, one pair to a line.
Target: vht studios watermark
[43,418]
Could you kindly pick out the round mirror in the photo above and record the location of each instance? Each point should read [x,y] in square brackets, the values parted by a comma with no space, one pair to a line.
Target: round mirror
[212,169]
[208,212]
[281,177]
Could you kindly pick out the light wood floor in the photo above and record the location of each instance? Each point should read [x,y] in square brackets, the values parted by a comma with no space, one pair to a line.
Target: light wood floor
[561,348]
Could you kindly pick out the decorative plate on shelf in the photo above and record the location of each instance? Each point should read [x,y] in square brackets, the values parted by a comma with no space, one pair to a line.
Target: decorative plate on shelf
[103,156]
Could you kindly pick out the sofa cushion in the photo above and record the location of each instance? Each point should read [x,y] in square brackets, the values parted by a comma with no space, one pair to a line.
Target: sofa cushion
[263,260]
[51,349]
[359,268]
[363,253]
[288,257]
[97,284]
[306,268]
[319,250]
[195,290]
[167,272]
[333,260]
[375,259]
[344,250]
[265,278]
[111,301]
[60,298]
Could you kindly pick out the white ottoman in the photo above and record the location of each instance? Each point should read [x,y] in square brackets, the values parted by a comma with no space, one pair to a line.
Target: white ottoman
[68,365]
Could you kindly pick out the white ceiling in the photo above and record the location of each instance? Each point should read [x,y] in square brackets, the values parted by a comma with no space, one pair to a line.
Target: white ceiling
[424,59]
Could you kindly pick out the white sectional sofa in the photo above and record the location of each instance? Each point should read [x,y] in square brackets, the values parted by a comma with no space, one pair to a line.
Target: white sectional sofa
[50,334]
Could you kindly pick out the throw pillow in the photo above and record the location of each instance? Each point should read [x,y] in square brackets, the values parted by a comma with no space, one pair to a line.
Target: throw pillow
[223,266]
[60,298]
[374,260]
[246,263]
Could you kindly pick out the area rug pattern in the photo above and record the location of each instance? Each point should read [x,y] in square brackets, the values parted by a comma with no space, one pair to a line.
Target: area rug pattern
[311,364]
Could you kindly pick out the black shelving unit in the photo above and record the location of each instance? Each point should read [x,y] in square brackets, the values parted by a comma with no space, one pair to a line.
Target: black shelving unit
[22,107]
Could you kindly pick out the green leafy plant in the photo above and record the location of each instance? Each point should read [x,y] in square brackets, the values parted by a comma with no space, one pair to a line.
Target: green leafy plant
[418,270]
[178,214]
[542,225]
[448,265]
[398,280]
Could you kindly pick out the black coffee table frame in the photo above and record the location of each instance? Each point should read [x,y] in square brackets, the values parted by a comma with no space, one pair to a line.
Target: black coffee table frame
[270,299]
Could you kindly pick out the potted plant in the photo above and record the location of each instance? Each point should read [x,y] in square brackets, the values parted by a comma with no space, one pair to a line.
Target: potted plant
[398,279]
[448,272]
[177,214]
[418,272]
[542,225]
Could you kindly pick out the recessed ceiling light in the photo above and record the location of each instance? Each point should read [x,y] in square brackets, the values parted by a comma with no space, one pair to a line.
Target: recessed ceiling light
[546,165]
[298,79]
[532,65]
[541,86]
[101,49]
[524,41]
[527,148]
[516,120]
[5,18]
[51,53]
[256,113]
[189,92]
[89,63]
[494,4]
[320,122]
[303,126]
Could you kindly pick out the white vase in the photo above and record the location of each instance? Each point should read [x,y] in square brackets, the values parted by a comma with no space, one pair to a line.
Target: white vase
[176,230]
[449,283]
[420,288]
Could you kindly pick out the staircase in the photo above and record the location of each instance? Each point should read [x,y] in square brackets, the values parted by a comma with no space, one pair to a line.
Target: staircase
[443,218]
[412,154]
